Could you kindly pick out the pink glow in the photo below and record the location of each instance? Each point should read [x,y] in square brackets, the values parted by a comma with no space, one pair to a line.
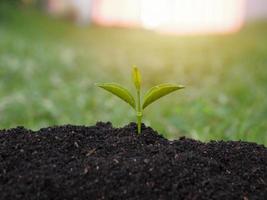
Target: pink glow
[116,12]
[172,16]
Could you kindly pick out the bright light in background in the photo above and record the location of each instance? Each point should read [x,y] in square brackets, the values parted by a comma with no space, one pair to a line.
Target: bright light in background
[155,13]
[174,16]
[116,12]
[191,16]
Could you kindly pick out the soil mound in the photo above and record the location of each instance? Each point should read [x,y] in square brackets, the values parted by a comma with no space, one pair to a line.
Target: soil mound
[102,162]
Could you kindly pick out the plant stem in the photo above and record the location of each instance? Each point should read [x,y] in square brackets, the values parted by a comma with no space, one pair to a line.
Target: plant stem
[139,113]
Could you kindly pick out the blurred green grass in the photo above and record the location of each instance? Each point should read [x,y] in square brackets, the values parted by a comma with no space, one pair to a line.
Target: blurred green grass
[48,69]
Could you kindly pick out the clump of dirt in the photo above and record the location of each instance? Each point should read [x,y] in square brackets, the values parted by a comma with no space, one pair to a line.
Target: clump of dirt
[102,162]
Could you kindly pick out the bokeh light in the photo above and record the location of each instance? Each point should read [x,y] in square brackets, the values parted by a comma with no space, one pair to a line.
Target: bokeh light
[53,51]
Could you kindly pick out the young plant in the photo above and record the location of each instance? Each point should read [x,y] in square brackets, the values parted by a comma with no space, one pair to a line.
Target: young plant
[152,95]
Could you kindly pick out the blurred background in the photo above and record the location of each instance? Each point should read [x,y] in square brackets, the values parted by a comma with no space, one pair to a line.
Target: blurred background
[53,51]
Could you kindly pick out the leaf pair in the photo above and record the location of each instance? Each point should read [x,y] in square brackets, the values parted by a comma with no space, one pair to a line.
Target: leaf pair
[152,95]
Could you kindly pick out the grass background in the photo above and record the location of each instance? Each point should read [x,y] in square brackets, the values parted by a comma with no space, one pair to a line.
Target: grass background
[48,69]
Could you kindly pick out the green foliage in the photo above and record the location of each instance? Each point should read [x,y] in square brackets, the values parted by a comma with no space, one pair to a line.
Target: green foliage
[119,91]
[47,77]
[152,95]
[159,91]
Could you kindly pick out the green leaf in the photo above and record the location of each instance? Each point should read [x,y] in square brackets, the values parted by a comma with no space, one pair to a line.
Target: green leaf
[159,91]
[119,91]
[136,77]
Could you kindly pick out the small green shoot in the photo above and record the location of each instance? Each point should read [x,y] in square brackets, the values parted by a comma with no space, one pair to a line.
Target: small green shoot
[152,95]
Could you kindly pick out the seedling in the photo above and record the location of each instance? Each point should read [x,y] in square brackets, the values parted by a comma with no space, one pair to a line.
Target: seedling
[152,95]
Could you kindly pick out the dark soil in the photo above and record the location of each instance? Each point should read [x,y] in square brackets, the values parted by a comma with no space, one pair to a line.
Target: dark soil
[102,162]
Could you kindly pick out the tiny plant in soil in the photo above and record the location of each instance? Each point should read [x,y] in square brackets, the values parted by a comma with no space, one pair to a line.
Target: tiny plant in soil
[151,95]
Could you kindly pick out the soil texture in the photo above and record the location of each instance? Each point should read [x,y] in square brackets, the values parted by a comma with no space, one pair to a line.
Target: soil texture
[102,162]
